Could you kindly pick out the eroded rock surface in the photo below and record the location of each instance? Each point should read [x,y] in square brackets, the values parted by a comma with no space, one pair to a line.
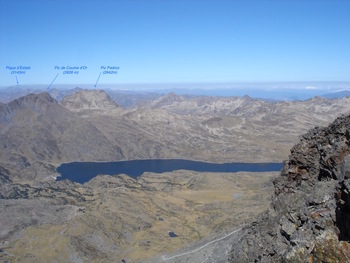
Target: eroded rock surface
[309,219]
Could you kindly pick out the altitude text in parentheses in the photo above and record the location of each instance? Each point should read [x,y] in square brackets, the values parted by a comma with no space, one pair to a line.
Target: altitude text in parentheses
[110,70]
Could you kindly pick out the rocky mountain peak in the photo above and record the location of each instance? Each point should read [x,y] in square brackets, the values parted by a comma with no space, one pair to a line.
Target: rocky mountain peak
[309,220]
[35,102]
[318,156]
[89,100]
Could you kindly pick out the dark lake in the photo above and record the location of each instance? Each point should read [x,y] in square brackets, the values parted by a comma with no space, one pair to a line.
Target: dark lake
[82,172]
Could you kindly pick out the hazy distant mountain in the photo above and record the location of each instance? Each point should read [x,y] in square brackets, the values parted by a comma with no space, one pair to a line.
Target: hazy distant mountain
[89,100]
[129,99]
[337,95]
[247,106]
[12,93]
[124,98]
[281,94]
[59,94]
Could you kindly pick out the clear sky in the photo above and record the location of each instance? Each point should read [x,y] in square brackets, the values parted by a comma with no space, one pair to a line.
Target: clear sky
[158,41]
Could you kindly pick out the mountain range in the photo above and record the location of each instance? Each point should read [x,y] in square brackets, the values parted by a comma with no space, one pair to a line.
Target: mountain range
[115,218]
[38,132]
[129,96]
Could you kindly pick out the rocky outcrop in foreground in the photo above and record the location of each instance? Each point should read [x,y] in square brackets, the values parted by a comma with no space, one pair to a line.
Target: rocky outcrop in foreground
[309,219]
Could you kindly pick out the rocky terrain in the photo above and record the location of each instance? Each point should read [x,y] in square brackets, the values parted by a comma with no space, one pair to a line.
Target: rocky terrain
[126,98]
[115,218]
[89,100]
[38,133]
[309,217]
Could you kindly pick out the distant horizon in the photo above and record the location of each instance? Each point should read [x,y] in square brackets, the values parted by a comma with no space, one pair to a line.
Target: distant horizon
[226,84]
[283,91]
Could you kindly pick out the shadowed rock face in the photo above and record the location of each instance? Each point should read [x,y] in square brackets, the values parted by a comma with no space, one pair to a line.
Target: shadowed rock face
[37,103]
[309,220]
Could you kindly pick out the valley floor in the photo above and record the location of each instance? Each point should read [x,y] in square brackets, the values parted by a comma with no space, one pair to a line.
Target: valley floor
[115,218]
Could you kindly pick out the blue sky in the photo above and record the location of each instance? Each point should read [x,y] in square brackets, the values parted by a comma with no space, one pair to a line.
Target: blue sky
[154,41]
